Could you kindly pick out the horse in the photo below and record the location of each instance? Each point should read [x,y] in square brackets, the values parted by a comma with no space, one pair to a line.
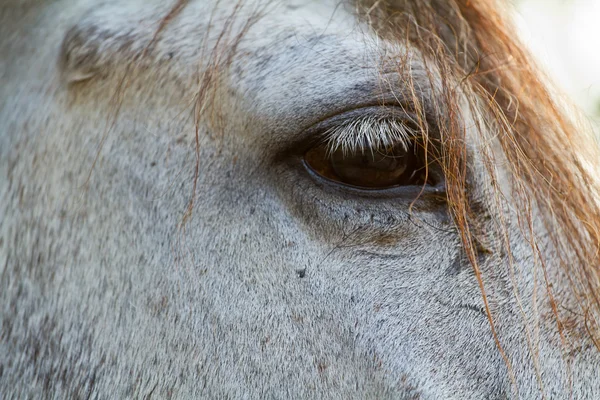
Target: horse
[307,199]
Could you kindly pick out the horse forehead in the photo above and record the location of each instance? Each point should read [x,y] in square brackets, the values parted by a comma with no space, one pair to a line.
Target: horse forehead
[315,34]
[289,55]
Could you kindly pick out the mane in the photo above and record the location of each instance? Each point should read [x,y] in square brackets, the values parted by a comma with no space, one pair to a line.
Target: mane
[550,157]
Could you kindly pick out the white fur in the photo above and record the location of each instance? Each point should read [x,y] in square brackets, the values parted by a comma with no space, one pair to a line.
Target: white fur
[277,286]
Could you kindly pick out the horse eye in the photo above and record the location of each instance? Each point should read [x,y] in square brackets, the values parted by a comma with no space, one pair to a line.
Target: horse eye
[368,168]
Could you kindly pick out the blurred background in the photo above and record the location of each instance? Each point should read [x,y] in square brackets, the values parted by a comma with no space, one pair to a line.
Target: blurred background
[565,37]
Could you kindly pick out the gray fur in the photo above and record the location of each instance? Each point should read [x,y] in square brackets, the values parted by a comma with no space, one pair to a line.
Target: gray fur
[277,286]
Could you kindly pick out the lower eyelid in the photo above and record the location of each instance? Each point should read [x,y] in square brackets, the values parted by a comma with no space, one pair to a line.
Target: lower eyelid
[434,193]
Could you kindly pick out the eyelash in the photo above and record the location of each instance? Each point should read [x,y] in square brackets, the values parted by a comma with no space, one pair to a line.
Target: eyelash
[369,133]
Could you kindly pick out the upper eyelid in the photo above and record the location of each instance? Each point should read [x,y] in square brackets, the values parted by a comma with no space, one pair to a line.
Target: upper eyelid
[315,134]
[369,119]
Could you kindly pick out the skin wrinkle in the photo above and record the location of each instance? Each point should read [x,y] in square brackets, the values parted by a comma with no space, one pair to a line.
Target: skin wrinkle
[106,294]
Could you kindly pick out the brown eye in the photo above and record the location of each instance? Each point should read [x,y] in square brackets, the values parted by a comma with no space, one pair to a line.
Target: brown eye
[368,168]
